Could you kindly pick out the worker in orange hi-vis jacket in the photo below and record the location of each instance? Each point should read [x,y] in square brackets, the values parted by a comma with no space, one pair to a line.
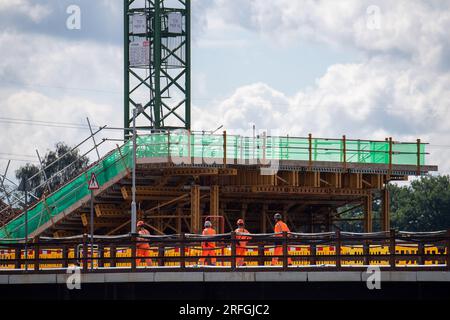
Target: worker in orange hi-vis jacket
[143,247]
[241,246]
[208,248]
[280,226]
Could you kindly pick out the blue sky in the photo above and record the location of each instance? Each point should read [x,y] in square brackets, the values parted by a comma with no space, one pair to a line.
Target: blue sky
[247,58]
[367,69]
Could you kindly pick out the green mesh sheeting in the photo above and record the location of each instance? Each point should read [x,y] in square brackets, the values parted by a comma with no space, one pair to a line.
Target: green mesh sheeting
[109,167]
[182,144]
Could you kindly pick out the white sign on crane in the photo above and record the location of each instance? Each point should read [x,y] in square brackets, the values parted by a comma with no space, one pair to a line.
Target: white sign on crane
[140,53]
[175,22]
[139,24]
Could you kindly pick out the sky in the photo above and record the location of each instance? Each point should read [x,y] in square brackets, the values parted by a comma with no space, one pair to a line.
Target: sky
[366,69]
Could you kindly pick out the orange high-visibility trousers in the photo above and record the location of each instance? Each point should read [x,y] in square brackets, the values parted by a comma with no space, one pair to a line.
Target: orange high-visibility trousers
[240,251]
[143,250]
[209,252]
[279,252]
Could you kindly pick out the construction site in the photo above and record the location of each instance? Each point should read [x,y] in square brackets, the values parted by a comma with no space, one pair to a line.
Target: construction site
[174,179]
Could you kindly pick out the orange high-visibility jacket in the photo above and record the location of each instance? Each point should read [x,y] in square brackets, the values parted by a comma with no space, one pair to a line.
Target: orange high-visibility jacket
[143,244]
[208,232]
[241,237]
[280,226]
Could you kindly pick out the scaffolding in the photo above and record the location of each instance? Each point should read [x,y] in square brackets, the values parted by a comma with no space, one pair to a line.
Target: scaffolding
[184,148]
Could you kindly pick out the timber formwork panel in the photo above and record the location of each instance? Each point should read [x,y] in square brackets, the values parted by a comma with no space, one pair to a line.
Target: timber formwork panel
[310,179]
[372,181]
[331,179]
[352,180]
[289,177]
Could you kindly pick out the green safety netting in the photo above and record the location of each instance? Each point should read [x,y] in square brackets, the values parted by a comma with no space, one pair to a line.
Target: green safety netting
[183,144]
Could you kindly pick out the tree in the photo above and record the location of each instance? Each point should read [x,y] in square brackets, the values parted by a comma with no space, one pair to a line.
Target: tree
[422,206]
[29,172]
[61,165]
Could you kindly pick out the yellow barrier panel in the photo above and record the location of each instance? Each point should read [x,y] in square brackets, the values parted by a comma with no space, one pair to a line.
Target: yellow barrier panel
[295,251]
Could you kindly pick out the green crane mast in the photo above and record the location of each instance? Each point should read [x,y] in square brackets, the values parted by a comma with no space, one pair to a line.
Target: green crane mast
[157,64]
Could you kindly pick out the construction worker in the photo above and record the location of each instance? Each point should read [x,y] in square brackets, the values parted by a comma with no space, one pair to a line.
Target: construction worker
[280,226]
[241,246]
[208,248]
[143,248]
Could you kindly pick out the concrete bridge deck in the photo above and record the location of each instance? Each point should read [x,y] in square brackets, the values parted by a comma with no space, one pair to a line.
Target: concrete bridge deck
[231,286]
[249,276]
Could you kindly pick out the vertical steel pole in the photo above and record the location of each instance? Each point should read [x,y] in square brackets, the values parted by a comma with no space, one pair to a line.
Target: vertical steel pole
[133,189]
[254,144]
[157,64]
[448,250]
[419,163]
[233,251]
[390,157]
[188,64]
[338,249]
[92,229]
[225,148]
[344,151]
[310,150]
[392,247]
[25,186]
[126,63]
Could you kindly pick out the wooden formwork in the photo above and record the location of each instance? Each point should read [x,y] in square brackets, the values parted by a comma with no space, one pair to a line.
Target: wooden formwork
[177,198]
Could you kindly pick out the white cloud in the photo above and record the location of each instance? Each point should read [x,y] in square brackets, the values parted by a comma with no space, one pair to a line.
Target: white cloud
[44,60]
[22,139]
[409,27]
[36,12]
[371,100]
[399,89]
[44,79]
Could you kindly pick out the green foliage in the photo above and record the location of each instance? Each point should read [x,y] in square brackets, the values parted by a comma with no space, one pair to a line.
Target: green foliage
[422,206]
[29,172]
[60,171]
[61,166]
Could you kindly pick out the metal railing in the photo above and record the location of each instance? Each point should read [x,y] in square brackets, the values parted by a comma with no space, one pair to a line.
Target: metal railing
[15,197]
[264,148]
[283,251]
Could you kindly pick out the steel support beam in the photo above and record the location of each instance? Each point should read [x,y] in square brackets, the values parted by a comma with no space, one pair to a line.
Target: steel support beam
[385,210]
[195,210]
[214,201]
[368,201]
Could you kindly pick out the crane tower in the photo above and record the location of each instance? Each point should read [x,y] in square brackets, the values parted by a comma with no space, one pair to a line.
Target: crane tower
[157,71]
